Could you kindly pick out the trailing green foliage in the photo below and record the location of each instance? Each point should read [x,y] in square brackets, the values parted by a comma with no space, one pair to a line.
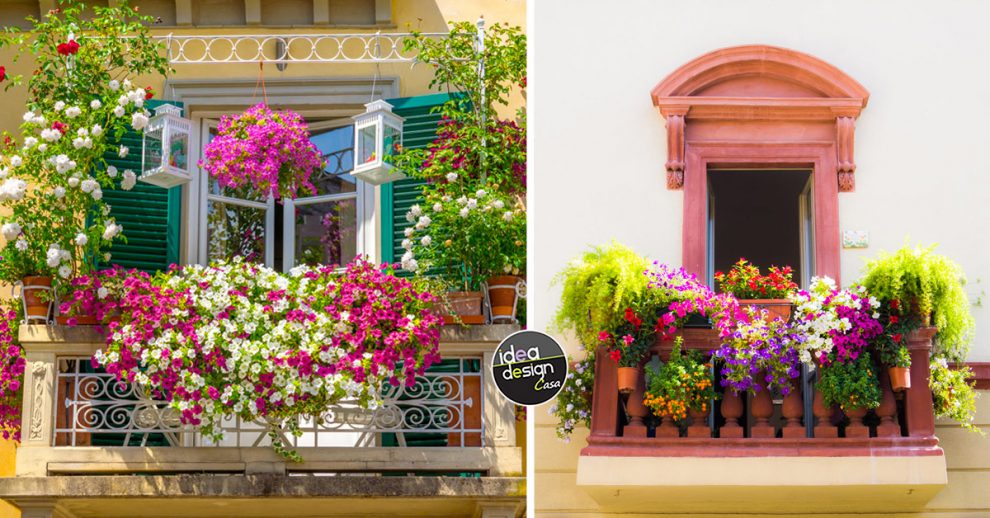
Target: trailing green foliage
[926,283]
[597,288]
[852,384]
[953,394]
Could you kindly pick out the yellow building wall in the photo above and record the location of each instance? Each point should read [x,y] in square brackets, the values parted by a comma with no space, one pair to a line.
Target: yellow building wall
[419,15]
[967,455]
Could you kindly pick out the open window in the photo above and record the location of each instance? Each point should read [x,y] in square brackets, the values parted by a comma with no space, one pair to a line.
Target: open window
[763,215]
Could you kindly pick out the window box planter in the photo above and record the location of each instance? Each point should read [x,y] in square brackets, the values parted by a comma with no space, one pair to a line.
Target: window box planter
[779,308]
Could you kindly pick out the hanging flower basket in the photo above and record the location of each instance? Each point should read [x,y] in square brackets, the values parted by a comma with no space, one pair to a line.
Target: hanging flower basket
[265,149]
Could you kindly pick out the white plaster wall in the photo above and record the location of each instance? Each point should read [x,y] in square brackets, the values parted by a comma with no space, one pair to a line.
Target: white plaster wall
[598,145]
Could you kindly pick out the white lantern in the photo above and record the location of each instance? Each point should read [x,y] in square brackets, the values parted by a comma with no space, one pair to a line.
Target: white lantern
[377,138]
[165,159]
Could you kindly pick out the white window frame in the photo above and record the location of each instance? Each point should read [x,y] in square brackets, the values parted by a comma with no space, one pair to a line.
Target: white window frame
[313,97]
[364,194]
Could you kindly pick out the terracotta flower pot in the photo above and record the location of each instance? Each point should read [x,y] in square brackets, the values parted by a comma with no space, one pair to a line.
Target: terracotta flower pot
[37,307]
[79,320]
[502,295]
[900,378]
[777,308]
[464,306]
[628,379]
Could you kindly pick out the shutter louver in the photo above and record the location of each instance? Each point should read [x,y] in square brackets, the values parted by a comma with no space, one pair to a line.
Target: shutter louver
[149,214]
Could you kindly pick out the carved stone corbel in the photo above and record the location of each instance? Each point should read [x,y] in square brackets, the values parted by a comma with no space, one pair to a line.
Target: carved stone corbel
[675,151]
[846,163]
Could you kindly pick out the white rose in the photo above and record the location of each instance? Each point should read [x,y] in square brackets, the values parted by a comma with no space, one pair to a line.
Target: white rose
[122,101]
[464,212]
[97,194]
[50,135]
[112,172]
[123,152]
[95,104]
[507,216]
[16,161]
[407,243]
[59,192]
[472,203]
[21,244]
[97,130]
[139,121]
[80,239]
[73,112]
[119,111]
[30,142]
[59,106]
[408,231]
[73,182]
[10,231]
[13,189]
[129,180]
[437,207]
[114,85]
[426,241]
[28,116]
[416,210]
[481,193]
[424,221]
[64,271]
[53,257]
[111,231]
[498,204]
[451,177]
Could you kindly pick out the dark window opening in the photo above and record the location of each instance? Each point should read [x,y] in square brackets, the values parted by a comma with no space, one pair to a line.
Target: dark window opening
[762,216]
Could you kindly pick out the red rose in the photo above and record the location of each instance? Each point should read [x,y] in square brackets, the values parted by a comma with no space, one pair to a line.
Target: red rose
[68,48]
[896,337]
[148,92]
[60,127]
[3,73]
[894,319]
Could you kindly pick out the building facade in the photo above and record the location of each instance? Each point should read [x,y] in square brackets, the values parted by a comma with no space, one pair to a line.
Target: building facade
[323,59]
[695,120]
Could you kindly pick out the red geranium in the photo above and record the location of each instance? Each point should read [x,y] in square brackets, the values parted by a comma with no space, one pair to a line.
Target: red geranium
[60,127]
[68,48]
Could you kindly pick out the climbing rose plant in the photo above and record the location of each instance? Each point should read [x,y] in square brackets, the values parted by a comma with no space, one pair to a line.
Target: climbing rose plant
[239,339]
[266,149]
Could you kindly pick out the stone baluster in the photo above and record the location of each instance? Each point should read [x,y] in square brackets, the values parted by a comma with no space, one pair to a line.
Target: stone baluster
[732,410]
[762,410]
[636,410]
[856,429]
[793,410]
[887,411]
[699,424]
[824,429]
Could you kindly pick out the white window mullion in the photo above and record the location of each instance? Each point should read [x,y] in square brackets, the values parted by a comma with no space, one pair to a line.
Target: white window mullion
[270,233]
[288,235]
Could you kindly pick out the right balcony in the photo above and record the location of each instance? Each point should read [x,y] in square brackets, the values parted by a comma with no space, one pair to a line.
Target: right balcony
[764,453]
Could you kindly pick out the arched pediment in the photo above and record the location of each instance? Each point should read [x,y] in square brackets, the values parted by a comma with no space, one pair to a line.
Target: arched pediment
[760,83]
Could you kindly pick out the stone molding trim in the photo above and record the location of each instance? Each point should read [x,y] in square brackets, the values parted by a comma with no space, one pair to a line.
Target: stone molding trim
[761,85]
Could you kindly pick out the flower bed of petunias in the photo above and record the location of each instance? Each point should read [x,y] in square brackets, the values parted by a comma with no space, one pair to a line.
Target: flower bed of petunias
[266,149]
[239,339]
[11,376]
[838,324]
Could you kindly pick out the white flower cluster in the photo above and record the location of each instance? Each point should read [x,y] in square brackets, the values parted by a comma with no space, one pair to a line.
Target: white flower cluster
[819,318]
[13,189]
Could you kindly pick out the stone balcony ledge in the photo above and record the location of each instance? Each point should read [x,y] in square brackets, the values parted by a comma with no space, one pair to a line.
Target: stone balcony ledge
[245,496]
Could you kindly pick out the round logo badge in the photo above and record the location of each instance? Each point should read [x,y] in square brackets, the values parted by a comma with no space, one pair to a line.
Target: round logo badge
[529,368]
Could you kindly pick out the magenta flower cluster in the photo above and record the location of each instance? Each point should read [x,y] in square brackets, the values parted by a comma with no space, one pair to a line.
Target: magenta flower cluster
[688,296]
[266,149]
[98,294]
[12,364]
[239,339]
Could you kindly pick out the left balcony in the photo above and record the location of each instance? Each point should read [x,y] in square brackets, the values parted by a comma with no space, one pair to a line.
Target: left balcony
[93,447]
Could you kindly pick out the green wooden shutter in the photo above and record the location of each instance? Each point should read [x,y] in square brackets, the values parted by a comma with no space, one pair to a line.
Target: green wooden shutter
[419,129]
[149,214]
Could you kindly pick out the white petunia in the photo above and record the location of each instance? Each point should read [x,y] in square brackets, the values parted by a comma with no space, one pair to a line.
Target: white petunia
[95,104]
[64,271]
[73,111]
[129,180]
[139,121]
[10,231]
[102,292]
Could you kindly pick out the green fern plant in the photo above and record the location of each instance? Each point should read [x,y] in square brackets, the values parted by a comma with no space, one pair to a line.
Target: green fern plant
[933,285]
[597,287]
